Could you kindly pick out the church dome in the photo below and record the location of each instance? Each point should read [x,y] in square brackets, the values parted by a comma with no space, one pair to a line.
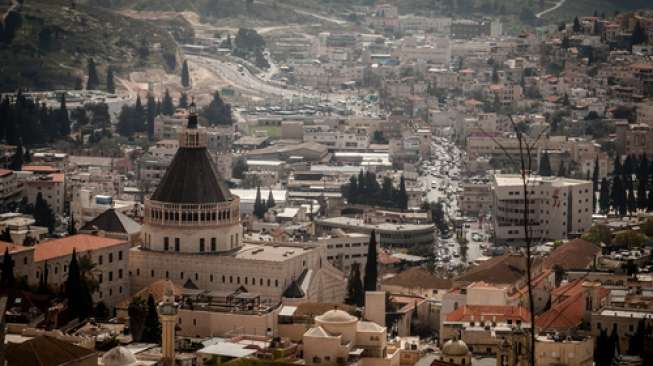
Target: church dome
[119,356]
[455,347]
[336,316]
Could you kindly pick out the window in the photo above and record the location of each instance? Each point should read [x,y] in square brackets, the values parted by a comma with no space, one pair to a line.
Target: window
[120,273]
[213,244]
[197,276]
[120,255]
[231,279]
[269,282]
[99,260]
[223,279]
[99,278]
[202,245]
[166,243]
[110,276]
[176,244]
[181,275]
[110,257]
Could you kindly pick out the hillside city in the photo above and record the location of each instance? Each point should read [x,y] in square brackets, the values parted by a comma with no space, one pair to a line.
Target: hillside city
[365,183]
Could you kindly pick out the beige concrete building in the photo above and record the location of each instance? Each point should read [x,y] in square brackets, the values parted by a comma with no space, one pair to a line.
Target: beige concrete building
[401,235]
[9,187]
[339,337]
[559,207]
[46,180]
[192,235]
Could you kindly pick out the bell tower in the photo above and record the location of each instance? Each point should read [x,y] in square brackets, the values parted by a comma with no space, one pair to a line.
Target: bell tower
[168,315]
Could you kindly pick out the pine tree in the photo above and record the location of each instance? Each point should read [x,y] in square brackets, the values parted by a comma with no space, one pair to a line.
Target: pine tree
[545,165]
[7,279]
[137,311]
[93,81]
[138,115]
[152,326]
[217,112]
[371,269]
[183,100]
[355,292]
[270,201]
[125,127]
[111,87]
[167,108]
[604,196]
[402,195]
[185,76]
[17,158]
[151,116]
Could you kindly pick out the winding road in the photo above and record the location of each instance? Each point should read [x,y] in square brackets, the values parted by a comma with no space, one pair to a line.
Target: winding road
[556,6]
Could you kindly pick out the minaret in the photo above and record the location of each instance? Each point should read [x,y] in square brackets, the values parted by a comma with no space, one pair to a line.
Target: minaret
[168,315]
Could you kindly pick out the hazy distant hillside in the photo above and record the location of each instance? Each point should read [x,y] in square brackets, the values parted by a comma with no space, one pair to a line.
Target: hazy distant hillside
[218,9]
[53,42]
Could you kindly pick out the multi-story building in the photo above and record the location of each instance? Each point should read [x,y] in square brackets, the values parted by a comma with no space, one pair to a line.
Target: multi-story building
[353,139]
[109,257]
[9,187]
[47,181]
[400,235]
[192,234]
[633,139]
[558,207]
[476,198]
[344,249]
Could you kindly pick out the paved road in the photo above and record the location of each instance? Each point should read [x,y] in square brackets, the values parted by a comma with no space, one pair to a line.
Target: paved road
[556,6]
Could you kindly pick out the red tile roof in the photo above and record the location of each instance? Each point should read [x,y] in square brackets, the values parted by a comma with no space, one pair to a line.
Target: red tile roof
[13,248]
[40,168]
[505,269]
[81,242]
[4,172]
[568,307]
[497,313]
[418,277]
[575,254]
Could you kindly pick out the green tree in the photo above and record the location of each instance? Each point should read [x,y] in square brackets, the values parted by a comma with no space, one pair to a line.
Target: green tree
[595,183]
[43,214]
[43,280]
[151,116]
[183,100]
[138,115]
[80,303]
[93,82]
[239,168]
[617,169]
[545,165]
[598,234]
[217,112]
[639,35]
[152,326]
[270,201]
[618,196]
[629,239]
[604,196]
[259,207]
[355,292]
[167,107]
[371,266]
[576,27]
[185,76]
[17,158]
[562,170]
[7,280]
[72,230]
[125,125]
[62,120]
[137,312]
[111,86]
[631,202]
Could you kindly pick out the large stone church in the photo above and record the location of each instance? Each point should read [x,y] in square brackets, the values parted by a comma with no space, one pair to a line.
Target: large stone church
[192,235]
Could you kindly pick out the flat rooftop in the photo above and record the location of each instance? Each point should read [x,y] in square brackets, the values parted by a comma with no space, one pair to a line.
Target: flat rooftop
[270,253]
[385,226]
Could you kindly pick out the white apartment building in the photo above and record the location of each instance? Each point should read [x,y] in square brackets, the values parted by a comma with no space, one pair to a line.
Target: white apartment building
[47,181]
[353,139]
[343,249]
[558,207]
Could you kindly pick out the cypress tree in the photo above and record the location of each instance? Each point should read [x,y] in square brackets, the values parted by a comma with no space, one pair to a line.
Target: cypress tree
[111,87]
[371,267]
[43,281]
[152,326]
[183,100]
[618,169]
[577,28]
[7,279]
[270,201]
[631,201]
[93,81]
[72,230]
[151,116]
[63,122]
[125,127]
[352,190]
[80,303]
[595,183]
[259,209]
[604,196]
[167,108]
[137,312]
[355,292]
[628,169]
[545,165]
[43,214]
[139,116]
[17,158]
[185,76]
[402,196]
[639,35]
[562,171]
[649,201]
[618,196]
